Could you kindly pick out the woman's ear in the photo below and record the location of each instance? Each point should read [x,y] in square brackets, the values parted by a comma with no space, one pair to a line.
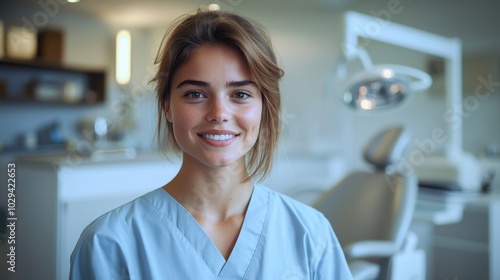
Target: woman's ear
[168,111]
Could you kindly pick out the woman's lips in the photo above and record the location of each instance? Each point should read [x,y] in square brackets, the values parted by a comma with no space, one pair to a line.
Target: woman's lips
[218,138]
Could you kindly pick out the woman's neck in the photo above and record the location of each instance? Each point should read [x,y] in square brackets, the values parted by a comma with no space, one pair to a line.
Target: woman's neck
[212,193]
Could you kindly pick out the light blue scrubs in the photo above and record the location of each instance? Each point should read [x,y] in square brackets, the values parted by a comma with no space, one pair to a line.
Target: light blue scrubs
[154,237]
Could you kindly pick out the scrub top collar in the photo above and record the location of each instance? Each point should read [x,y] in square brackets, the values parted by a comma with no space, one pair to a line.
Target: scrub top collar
[249,239]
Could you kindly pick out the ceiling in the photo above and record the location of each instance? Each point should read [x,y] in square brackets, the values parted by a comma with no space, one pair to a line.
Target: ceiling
[475,22]
[153,12]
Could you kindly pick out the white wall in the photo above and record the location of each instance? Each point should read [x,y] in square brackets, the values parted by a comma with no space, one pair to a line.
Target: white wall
[307,51]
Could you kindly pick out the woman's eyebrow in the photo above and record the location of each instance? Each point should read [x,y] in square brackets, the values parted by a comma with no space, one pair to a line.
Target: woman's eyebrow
[241,83]
[228,84]
[193,83]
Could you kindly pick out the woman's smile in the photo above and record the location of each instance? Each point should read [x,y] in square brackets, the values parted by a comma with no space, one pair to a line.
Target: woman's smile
[218,138]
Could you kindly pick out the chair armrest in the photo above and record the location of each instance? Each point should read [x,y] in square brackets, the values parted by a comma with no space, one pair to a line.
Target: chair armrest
[363,270]
[370,248]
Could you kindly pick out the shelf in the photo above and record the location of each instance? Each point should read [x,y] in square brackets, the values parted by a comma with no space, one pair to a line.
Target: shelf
[44,65]
[48,83]
[32,101]
[19,150]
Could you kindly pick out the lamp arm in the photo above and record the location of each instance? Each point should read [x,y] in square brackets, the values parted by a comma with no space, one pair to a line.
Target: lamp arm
[359,53]
[364,57]
[341,65]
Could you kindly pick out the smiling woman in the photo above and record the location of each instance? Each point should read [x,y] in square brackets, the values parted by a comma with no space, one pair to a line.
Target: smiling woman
[219,103]
[253,45]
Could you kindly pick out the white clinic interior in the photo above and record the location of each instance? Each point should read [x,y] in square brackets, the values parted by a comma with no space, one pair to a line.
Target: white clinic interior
[322,139]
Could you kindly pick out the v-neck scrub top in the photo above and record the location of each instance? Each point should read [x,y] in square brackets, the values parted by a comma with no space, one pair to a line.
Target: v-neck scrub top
[154,237]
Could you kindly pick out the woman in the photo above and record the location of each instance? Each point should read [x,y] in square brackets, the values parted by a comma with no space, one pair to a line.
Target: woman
[218,94]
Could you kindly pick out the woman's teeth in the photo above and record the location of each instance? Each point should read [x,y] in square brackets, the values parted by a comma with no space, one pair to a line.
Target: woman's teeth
[218,137]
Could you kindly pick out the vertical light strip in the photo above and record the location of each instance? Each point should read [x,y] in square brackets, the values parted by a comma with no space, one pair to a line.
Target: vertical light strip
[1,39]
[123,57]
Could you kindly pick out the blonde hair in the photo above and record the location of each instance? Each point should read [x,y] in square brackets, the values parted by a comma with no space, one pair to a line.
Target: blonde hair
[253,42]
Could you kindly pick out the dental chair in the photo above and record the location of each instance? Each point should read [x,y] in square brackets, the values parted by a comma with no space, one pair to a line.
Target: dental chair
[371,213]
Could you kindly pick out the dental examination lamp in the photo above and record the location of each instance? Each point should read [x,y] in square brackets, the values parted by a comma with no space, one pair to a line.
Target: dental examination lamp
[380,87]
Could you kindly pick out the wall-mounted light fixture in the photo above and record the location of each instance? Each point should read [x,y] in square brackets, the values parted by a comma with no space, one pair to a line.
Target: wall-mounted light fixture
[123,57]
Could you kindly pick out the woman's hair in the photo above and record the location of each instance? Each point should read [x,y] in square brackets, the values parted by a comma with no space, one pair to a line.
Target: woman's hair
[253,43]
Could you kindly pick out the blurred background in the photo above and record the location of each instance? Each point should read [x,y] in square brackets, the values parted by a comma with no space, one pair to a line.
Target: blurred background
[60,100]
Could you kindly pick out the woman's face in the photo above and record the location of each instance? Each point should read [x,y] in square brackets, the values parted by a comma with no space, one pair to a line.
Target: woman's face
[215,106]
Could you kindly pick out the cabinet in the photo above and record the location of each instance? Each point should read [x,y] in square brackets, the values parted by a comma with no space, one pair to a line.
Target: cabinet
[461,237]
[43,82]
[462,250]
[58,196]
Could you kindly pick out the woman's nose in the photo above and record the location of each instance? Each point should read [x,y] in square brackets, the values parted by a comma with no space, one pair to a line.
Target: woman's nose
[219,111]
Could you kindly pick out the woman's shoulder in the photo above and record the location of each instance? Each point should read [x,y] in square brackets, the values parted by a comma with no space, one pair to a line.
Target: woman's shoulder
[299,213]
[122,217]
[290,204]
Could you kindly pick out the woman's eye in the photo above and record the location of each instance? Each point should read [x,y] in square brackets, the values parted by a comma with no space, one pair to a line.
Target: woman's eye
[241,95]
[194,95]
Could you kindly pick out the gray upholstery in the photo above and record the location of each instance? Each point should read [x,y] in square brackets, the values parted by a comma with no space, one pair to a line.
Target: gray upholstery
[387,147]
[370,206]
[371,212]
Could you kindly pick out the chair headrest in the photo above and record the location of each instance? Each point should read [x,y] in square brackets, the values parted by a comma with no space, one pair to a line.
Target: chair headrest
[387,147]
